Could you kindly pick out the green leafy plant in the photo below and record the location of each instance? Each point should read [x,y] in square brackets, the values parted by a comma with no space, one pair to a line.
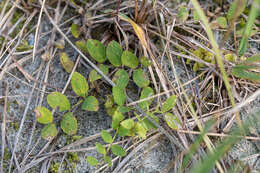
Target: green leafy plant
[129,59]
[127,68]
[75,30]
[125,62]
[97,50]
[254,12]
[248,69]
[114,53]
[115,103]
[59,101]
[66,62]
[69,124]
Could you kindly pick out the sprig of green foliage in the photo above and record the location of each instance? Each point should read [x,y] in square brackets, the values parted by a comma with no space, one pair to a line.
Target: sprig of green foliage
[115,103]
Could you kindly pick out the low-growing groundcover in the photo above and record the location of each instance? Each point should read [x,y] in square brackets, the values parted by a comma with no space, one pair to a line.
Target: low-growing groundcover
[115,103]
[133,52]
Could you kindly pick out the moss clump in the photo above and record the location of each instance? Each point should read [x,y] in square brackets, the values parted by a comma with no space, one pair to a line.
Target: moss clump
[54,168]
[204,55]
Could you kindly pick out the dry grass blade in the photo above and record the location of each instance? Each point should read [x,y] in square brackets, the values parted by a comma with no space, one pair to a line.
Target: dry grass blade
[194,115]
[16,141]
[138,30]
[219,135]
[16,45]
[3,128]
[7,15]
[37,31]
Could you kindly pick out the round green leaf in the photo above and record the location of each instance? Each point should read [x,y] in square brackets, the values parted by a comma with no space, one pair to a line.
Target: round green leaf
[49,132]
[106,137]
[169,103]
[172,121]
[128,123]
[118,151]
[147,123]
[43,115]
[79,84]
[100,148]
[116,119]
[122,131]
[140,78]
[123,109]
[66,63]
[57,99]
[119,95]
[96,50]
[90,104]
[121,78]
[74,30]
[140,130]
[129,59]
[146,92]
[114,53]
[69,124]
[82,45]
[92,161]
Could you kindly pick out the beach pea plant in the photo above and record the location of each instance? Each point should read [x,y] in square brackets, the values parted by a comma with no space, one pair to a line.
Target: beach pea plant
[127,68]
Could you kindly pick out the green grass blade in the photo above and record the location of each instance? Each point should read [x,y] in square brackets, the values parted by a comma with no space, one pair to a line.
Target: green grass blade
[236,8]
[241,71]
[209,162]
[254,12]
[253,59]
[194,147]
